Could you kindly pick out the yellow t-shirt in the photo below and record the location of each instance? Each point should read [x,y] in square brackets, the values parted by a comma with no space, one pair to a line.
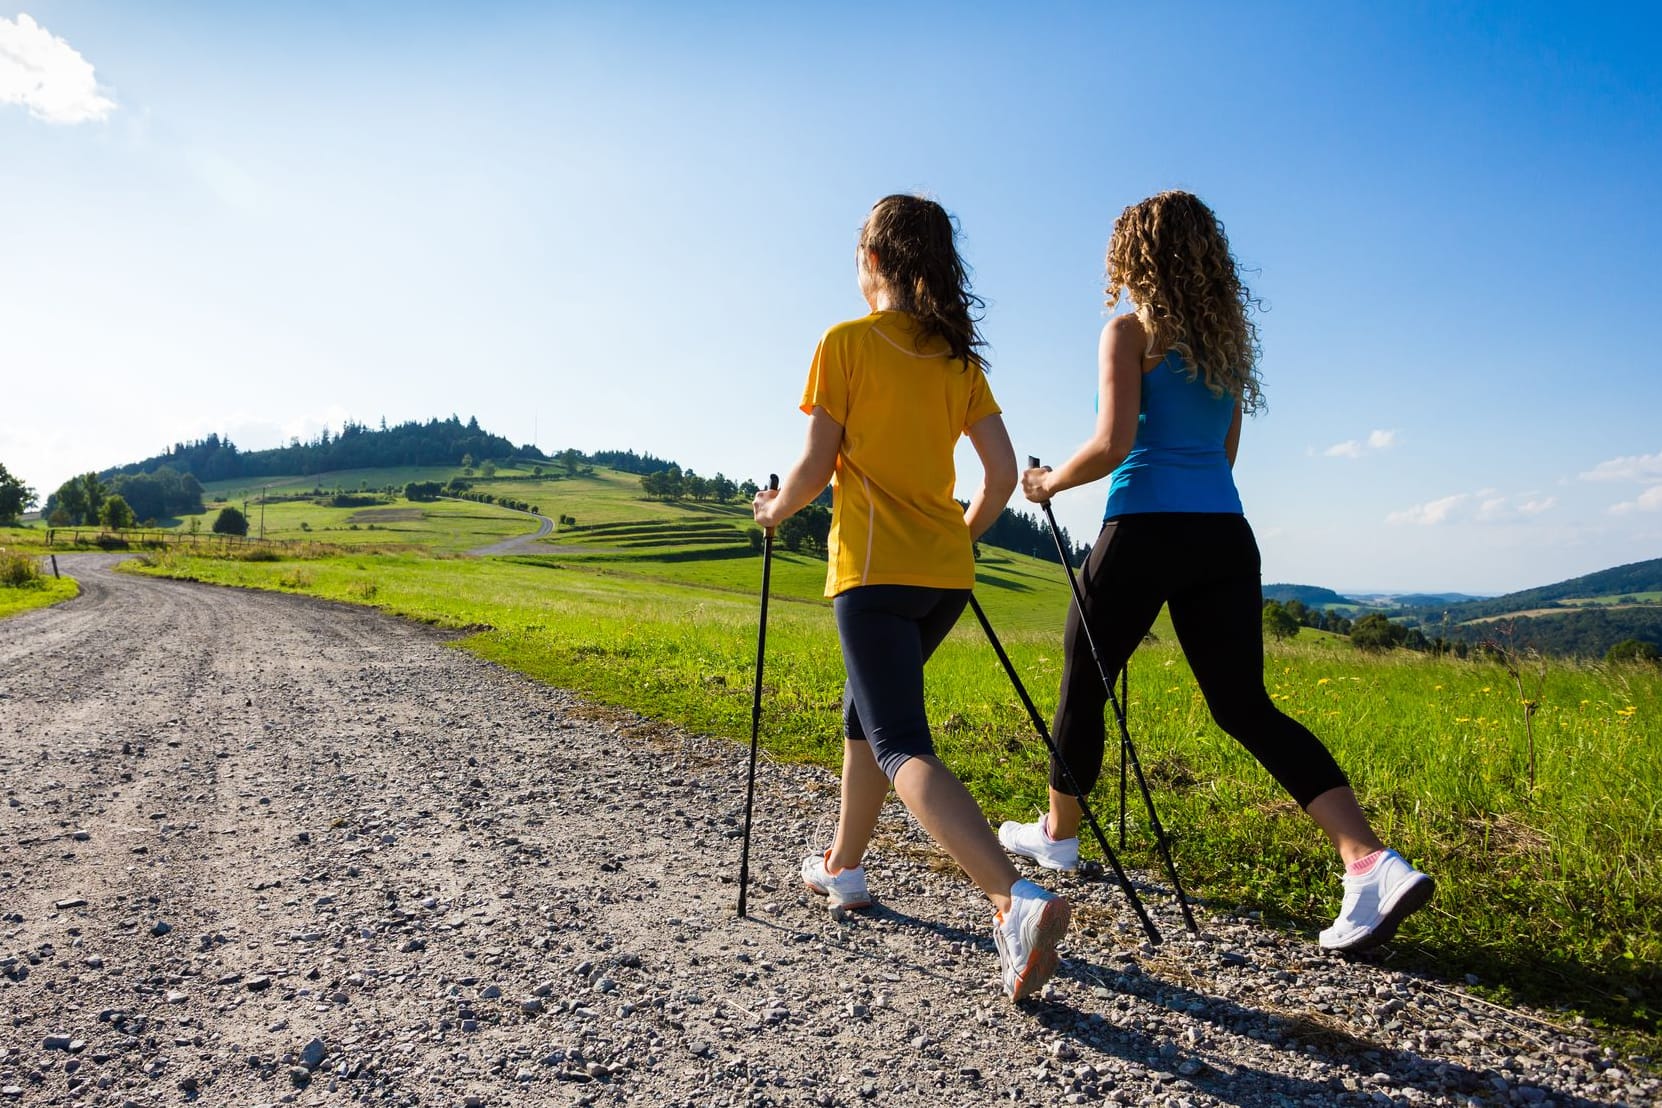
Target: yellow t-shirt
[893,518]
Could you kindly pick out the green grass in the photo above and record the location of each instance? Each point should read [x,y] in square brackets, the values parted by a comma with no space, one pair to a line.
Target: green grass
[25,582]
[441,526]
[1547,894]
[1620,598]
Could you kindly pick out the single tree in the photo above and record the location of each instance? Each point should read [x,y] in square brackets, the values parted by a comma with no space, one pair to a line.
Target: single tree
[1279,622]
[1375,632]
[115,514]
[15,497]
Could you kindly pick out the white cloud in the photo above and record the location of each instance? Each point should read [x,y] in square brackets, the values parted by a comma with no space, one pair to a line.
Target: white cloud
[1431,512]
[1638,467]
[43,73]
[1648,501]
[1355,448]
[1482,506]
[1493,508]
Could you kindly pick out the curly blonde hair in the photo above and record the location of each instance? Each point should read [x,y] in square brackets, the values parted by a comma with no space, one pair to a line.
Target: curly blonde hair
[1169,255]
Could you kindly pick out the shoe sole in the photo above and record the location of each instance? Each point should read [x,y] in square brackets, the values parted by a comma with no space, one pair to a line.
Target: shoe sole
[848,905]
[1042,959]
[1416,896]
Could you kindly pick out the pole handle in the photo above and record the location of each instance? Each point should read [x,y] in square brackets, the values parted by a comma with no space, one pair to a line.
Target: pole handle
[773,484]
[1034,463]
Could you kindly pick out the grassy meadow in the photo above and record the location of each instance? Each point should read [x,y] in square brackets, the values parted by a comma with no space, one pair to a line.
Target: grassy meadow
[1547,892]
[26,579]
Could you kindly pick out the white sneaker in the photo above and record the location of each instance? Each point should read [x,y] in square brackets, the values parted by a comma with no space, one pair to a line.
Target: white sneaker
[1026,937]
[844,889]
[1376,902]
[1033,841]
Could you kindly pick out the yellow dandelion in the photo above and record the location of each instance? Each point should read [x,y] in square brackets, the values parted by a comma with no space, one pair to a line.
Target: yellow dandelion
[1462,719]
[1438,688]
[1486,688]
[1324,680]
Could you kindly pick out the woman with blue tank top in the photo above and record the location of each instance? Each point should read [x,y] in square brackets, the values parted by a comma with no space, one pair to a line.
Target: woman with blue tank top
[1175,377]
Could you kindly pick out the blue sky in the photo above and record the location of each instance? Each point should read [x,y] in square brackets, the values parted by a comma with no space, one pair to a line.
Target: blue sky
[626,225]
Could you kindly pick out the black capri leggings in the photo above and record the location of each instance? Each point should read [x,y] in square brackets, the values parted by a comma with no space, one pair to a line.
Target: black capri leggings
[887,633]
[1206,568]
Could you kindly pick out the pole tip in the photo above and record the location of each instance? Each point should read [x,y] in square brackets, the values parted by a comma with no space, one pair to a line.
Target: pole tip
[1032,462]
[773,481]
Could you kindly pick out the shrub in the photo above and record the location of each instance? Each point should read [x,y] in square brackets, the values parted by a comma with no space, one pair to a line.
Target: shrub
[1633,650]
[18,571]
[258,554]
[230,521]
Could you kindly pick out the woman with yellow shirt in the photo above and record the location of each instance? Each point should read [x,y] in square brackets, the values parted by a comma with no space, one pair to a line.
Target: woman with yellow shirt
[887,397]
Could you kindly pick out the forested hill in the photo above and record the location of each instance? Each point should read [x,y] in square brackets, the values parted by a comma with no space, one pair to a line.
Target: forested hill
[1631,579]
[1311,596]
[1584,616]
[436,442]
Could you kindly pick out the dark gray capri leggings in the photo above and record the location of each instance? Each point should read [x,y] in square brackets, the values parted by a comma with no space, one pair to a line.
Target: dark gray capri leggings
[887,633]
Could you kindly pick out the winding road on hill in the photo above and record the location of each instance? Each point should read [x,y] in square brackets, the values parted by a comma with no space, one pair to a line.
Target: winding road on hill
[521,544]
[261,849]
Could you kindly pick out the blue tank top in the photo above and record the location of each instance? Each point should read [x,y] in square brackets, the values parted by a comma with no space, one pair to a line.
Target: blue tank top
[1177,463]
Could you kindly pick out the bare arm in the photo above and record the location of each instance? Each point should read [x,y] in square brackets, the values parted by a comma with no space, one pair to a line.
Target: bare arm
[808,477]
[1232,441]
[1119,389]
[998,474]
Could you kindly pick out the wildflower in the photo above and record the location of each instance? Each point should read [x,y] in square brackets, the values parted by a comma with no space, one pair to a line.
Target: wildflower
[1324,680]
[1486,688]
[1462,719]
[1627,712]
[1438,688]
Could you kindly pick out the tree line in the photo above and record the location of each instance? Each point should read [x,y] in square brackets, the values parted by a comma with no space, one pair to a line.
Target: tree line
[125,499]
[438,442]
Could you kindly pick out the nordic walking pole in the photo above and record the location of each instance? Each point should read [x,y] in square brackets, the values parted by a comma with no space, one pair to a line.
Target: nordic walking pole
[1128,749]
[756,707]
[1078,793]
[1125,737]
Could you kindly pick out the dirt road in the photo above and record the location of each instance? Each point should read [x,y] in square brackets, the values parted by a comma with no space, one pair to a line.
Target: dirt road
[260,850]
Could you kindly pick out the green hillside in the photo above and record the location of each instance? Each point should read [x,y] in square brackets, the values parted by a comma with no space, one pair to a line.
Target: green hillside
[1583,616]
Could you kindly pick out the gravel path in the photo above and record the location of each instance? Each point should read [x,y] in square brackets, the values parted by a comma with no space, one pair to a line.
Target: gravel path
[522,544]
[258,849]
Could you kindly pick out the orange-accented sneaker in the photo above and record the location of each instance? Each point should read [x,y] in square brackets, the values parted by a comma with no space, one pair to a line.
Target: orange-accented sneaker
[846,888]
[1027,936]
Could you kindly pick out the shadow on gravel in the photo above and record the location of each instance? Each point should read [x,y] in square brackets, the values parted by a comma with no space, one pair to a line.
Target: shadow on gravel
[1302,1039]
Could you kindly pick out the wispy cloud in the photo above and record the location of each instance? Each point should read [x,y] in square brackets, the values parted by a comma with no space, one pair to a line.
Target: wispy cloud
[42,72]
[1644,468]
[1482,506]
[1648,501]
[1432,512]
[1355,448]
[1641,469]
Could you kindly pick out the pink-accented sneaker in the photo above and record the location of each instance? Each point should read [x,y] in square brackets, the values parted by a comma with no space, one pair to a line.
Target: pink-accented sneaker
[1033,841]
[1375,904]
[1027,936]
[845,888]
